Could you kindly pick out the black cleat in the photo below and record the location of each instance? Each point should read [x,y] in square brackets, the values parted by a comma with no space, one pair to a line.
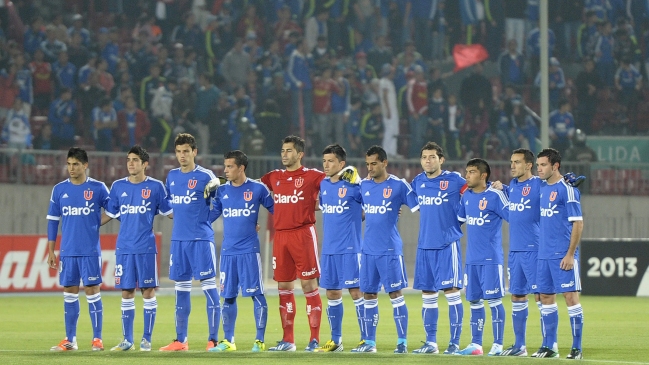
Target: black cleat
[575,354]
[546,352]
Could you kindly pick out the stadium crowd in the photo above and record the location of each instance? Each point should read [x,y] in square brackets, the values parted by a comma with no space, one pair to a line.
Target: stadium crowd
[111,74]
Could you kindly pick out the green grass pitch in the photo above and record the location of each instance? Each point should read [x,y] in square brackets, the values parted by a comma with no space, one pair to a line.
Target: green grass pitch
[616,330]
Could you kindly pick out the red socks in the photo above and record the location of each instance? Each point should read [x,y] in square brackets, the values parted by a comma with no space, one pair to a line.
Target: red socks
[314,312]
[287,313]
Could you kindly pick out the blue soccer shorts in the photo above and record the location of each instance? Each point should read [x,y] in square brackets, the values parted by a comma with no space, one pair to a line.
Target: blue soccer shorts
[74,269]
[136,271]
[192,259]
[521,271]
[484,282]
[340,271]
[241,272]
[437,270]
[388,271]
[551,279]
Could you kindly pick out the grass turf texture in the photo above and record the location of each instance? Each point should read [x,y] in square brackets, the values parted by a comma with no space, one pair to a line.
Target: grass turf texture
[615,331]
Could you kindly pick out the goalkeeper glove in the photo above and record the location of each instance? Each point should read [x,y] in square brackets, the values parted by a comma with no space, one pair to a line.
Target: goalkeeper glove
[213,185]
[574,180]
[350,174]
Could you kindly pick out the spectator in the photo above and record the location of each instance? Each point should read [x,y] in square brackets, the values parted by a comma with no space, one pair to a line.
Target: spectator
[474,129]
[149,85]
[134,126]
[364,71]
[137,59]
[184,100]
[104,125]
[417,101]
[190,66]
[282,96]
[120,101]
[108,48]
[454,120]
[298,71]
[252,48]
[437,112]
[423,12]
[236,65]
[557,82]
[587,83]
[436,81]
[604,60]
[626,46]
[78,54]
[62,117]
[534,47]
[77,27]
[380,54]
[207,96]
[161,112]
[241,117]
[270,122]
[9,91]
[562,127]
[285,26]
[316,26]
[16,132]
[105,78]
[86,70]
[353,129]
[439,26]
[251,22]
[25,85]
[506,131]
[64,72]
[42,78]
[326,130]
[515,22]
[52,46]
[511,65]
[415,57]
[587,36]
[34,36]
[372,129]
[580,152]
[188,33]
[43,140]
[219,137]
[60,29]
[629,82]
[88,99]
[476,88]
[389,111]
[252,88]
[340,105]
[322,55]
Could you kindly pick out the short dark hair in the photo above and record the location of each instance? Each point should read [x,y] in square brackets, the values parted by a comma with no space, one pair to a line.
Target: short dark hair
[528,155]
[481,165]
[337,150]
[240,158]
[553,155]
[433,146]
[377,150]
[105,102]
[563,102]
[79,154]
[298,142]
[140,152]
[185,138]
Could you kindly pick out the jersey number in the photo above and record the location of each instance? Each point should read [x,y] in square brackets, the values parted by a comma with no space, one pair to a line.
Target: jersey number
[606,267]
[118,270]
[274,263]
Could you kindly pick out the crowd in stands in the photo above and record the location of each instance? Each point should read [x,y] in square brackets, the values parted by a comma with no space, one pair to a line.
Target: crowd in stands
[242,74]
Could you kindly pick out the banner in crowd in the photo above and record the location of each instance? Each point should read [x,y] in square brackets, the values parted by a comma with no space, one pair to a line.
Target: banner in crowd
[615,267]
[24,268]
[620,149]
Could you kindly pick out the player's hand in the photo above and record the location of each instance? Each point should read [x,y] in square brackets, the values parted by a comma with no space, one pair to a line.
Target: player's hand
[51,261]
[350,174]
[257,227]
[213,185]
[574,180]
[567,263]
[498,185]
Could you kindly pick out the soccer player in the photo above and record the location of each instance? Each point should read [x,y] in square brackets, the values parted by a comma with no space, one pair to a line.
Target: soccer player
[192,250]
[342,218]
[561,225]
[136,200]
[238,201]
[76,203]
[483,208]
[524,215]
[381,253]
[438,265]
[295,247]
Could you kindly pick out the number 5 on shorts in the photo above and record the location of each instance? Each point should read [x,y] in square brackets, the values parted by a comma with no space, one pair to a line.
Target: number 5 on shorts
[274,263]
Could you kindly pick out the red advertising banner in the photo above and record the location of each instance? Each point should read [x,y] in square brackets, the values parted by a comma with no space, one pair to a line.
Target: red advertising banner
[23,263]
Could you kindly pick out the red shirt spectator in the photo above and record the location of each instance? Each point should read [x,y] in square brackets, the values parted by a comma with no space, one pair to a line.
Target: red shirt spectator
[322,88]
[42,76]
[250,22]
[417,97]
[125,119]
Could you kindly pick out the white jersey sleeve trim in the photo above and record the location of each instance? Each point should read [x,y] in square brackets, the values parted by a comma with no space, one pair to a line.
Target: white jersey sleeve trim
[53,218]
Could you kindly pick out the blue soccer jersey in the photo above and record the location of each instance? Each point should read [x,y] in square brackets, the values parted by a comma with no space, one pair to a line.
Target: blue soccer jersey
[136,205]
[381,203]
[78,207]
[342,217]
[560,207]
[239,206]
[524,214]
[191,210]
[483,214]
[438,199]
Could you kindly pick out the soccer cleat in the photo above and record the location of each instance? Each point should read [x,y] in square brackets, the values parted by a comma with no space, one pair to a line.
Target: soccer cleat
[258,346]
[65,345]
[402,348]
[123,346]
[427,348]
[496,349]
[330,346]
[97,345]
[224,346]
[283,346]
[514,351]
[471,350]
[212,343]
[452,349]
[575,354]
[145,345]
[312,346]
[363,346]
[176,346]
[546,352]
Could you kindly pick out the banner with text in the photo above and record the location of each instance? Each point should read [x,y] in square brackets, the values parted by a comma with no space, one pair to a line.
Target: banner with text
[620,149]
[23,263]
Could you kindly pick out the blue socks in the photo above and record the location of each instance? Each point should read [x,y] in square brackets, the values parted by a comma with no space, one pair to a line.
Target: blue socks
[183,308]
[128,317]
[229,313]
[455,316]
[213,307]
[400,313]
[519,320]
[576,314]
[261,315]
[96,309]
[550,317]
[359,304]
[497,319]
[150,309]
[477,321]
[430,315]
[71,310]
[371,318]
[335,315]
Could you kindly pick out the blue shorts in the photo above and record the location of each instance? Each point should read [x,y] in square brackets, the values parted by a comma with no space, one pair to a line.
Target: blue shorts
[521,271]
[386,270]
[340,271]
[192,259]
[74,269]
[437,270]
[551,279]
[484,282]
[241,271]
[136,270]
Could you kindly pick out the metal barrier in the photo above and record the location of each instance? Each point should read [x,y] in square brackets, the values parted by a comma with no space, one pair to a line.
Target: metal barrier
[49,167]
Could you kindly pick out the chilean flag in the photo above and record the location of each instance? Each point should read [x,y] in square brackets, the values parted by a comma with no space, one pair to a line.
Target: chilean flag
[467,56]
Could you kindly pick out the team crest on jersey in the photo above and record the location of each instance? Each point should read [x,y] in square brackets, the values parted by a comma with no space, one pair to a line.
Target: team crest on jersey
[146,193]
[88,194]
[553,195]
[192,183]
[247,196]
[299,182]
[483,204]
[526,190]
[443,185]
[387,192]
[342,192]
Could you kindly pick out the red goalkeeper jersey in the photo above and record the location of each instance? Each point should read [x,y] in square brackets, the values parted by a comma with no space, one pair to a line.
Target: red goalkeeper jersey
[295,194]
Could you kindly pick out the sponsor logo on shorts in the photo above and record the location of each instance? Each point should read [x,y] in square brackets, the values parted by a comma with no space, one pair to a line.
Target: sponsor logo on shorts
[446,282]
[93,278]
[394,285]
[349,282]
[534,287]
[252,290]
[148,281]
[492,291]
[208,272]
[568,285]
[307,273]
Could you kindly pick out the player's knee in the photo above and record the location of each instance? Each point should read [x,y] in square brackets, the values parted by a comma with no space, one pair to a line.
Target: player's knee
[370,296]
[334,294]
[395,294]
[129,293]
[90,290]
[476,304]
[230,301]
[519,298]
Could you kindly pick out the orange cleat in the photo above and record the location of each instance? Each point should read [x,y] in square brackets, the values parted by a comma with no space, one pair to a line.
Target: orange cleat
[65,345]
[97,345]
[211,344]
[176,346]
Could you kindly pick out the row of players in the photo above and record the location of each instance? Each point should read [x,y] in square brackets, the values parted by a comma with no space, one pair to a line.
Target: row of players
[543,264]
